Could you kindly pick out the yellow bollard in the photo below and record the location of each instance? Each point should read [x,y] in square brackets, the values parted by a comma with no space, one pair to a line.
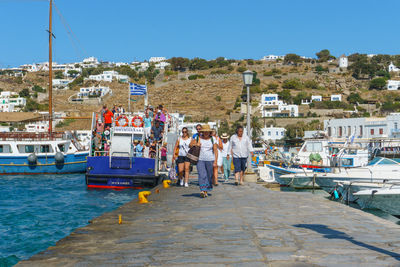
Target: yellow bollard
[143,196]
[119,218]
[166,183]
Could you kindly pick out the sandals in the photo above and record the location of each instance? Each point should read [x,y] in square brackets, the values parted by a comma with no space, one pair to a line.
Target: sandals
[203,194]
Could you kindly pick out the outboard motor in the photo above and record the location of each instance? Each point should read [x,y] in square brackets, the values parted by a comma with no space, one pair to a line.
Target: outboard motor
[59,158]
[32,159]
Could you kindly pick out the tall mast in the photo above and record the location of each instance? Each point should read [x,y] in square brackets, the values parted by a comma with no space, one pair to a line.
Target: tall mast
[50,70]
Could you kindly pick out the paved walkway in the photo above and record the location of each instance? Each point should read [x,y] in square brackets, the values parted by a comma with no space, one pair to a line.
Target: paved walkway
[247,225]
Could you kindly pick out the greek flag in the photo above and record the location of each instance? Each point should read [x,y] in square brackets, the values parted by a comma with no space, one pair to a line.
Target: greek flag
[137,89]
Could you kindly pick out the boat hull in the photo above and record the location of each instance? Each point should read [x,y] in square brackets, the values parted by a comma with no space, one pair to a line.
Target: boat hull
[14,165]
[389,203]
[139,173]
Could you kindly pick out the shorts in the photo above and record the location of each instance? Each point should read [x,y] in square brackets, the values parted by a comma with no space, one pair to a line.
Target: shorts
[182,159]
[107,125]
[239,164]
[163,158]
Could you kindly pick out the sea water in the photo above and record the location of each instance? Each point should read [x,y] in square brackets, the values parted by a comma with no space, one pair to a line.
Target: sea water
[37,211]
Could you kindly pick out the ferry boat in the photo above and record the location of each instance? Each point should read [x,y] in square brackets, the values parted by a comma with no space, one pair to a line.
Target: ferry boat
[119,166]
[40,153]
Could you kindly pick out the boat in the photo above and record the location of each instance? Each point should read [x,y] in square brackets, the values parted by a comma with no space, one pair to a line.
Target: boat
[346,189]
[42,153]
[119,167]
[386,199]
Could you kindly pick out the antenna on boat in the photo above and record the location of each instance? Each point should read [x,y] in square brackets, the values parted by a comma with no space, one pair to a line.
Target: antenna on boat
[50,70]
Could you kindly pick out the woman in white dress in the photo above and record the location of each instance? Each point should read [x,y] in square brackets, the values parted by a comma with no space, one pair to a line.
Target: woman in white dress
[183,161]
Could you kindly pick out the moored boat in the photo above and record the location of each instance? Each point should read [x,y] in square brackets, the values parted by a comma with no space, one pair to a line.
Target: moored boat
[386,199]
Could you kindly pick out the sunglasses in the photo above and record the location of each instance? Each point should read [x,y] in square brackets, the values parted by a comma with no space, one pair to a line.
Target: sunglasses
[184,131]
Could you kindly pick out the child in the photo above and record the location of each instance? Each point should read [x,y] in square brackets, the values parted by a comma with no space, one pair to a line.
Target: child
[153,149]
[164,157]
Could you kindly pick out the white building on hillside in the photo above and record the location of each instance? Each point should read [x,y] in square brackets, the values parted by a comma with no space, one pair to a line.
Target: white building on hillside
[30,67]
[162,65]
[272,133]
[11,102]
[316,98]
[157,59]
[108,76]
[90,62]
[343,61]
[393,85]
[87,92]
[61,83]
[272,57]
[336,98]
[393,68]
[388,127]
[271,106]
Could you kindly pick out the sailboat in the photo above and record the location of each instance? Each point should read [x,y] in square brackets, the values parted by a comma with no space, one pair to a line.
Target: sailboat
[42,153]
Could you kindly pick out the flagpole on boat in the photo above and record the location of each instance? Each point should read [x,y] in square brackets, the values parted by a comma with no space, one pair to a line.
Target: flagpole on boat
[129,98]
[50,71]
[146,95]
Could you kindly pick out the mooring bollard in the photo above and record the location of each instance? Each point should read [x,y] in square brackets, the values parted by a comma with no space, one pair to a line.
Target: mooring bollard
[143,196]
[119,218]
[166,183]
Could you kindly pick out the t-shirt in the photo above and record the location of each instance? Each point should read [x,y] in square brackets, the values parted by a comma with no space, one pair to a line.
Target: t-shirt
[163,152]
[184,146]
[108,116]
[206,150]
[147,122]
[157,132]
[224,151]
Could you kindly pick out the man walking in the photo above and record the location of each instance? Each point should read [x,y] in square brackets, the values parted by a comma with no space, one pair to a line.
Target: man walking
[240,147]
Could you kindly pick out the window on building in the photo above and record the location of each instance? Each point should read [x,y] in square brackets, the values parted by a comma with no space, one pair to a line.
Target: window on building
[5,149]
[372,131]
[340,131]
[380,131]
[349,130]
[45,149]
[269,133]
[276,133]
[361,130]
[395,125]
[329,131]
[29,149]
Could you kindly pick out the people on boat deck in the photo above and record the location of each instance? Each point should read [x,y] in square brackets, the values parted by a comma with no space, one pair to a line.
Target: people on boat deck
[164,157]
[108,118]
[182,146]
[146,150]
[102,111]
[139,149]
[147,125]
[121,109]
[100,126]
[240,147]
[157,130]
[207,159]
[153,149]
[96,142]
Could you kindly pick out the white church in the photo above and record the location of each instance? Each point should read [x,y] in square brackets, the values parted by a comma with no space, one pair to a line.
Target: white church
[393,68]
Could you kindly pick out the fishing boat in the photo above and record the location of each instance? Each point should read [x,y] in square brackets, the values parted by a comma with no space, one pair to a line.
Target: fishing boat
[42,153]
[117,165]
[386,199]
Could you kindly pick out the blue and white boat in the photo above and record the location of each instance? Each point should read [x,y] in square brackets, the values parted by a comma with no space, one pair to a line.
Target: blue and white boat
[40,153]
[119,166]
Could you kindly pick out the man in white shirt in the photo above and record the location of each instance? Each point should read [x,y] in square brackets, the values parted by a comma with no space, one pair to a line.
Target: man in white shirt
[240,147]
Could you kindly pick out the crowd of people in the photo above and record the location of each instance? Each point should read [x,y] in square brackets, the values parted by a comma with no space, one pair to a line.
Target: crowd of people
[154,123]
[216,154]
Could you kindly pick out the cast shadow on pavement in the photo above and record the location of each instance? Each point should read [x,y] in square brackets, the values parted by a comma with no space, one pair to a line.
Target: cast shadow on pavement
[334,234]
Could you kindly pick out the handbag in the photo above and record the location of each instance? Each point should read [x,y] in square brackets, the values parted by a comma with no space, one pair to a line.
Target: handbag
[193,154]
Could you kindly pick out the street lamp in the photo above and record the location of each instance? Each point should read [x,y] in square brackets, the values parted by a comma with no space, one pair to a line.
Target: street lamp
[248,80]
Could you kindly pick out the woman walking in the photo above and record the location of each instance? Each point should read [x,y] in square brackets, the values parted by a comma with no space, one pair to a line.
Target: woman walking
[207,159]
[240,147]
[217,141]
[226,157]
[183,161]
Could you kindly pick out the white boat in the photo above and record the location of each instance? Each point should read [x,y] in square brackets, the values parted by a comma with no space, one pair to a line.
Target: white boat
[347,188]
[386,199]
[378,170]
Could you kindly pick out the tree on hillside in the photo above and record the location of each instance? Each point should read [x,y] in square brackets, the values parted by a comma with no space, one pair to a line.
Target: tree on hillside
[285,96]
[179,63]
[355,98]
[324,55]
[24,93]
[58,75]
[377,83]
[361,67]
[198,64]
[292,58]
[292,84]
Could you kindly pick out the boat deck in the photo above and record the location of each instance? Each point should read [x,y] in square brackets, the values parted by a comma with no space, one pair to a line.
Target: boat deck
[246,225]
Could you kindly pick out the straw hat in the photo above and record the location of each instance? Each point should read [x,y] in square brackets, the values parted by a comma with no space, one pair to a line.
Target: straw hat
[206,128]
[224,136]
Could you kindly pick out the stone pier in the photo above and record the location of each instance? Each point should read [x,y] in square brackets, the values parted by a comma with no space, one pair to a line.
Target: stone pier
[247,225]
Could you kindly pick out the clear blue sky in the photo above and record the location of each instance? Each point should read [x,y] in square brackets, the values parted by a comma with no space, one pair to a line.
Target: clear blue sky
[127,30]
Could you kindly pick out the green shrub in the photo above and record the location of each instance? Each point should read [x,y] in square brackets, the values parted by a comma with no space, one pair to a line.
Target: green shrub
[218,98]
[377,83]
[292,84]
[38,89]
[273,86]
[196,76]
[241,69]
[311,84]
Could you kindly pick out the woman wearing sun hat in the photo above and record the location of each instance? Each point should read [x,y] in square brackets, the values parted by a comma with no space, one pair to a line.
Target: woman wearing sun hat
[207,159]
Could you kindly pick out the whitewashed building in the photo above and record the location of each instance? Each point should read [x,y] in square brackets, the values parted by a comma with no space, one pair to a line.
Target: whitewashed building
[393,68]
[272,58]
[392,85]
[343,61]
[108,76]
[162,65]
[157,59]
[86,92]
[336,98]
[316,98]
[386,127]
[271,106]
[272,133]
[11,102]
[61,83]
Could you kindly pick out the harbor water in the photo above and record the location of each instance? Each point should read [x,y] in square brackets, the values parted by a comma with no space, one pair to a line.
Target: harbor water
[37,211]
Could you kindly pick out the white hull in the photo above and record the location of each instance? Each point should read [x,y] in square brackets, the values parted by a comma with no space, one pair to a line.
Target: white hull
[384,199]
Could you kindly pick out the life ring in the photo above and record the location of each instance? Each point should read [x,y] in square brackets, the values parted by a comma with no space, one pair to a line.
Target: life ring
[137,121]
[122,117]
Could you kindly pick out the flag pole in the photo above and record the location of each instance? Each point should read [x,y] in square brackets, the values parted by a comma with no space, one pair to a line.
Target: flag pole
[129,98]
[146,96]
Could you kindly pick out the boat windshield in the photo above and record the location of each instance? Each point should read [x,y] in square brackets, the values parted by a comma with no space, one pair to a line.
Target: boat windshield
[382,161]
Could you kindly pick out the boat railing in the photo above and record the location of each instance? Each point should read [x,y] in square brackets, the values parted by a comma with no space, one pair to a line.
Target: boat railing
[32,136]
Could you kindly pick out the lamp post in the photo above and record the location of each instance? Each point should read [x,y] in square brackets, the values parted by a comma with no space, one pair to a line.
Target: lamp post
[248,80]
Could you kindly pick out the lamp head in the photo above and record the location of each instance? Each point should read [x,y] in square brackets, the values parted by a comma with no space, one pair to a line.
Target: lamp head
[248,77]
